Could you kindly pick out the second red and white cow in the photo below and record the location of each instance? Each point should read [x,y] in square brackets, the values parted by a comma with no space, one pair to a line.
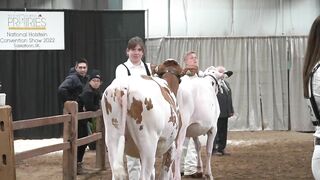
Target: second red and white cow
[142,120]
[200,110]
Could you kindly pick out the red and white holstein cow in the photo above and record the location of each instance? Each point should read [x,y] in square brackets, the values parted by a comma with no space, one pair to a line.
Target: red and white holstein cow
[142,120]
[199,108]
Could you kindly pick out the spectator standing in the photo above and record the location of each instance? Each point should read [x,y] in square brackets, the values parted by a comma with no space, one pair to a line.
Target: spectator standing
[226,110]
[69,90]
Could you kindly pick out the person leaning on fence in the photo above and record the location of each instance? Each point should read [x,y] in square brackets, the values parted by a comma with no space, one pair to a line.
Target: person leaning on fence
[134,66]
[89,100]
[69,90]
[311,89]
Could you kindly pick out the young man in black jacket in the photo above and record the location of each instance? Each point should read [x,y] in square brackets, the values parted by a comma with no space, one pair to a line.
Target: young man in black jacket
[70,90]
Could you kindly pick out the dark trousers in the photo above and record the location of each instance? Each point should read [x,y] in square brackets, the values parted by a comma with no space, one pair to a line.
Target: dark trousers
[82,132]
[220,140]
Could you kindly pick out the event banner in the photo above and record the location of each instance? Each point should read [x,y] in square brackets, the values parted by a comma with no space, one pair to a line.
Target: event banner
[30,30]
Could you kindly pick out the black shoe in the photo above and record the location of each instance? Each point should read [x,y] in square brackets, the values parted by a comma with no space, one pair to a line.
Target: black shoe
[218,153]
[196,175]
[222,153]
[225,153]
[82,170]
[79,168]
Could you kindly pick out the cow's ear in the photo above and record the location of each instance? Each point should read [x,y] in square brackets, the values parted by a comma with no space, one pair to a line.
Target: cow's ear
[154,68]
[228,73]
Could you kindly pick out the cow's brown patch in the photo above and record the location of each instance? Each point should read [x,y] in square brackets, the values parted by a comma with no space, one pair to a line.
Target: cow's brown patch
[114,94]
[148,103]
[173,118]
[167,160]
[117,95]
[121,93]
[135,110]
[115,122]
[108,106]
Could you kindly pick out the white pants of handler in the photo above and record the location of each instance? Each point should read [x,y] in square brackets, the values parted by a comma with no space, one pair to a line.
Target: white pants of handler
[134,168]
[316,157]
[188,161]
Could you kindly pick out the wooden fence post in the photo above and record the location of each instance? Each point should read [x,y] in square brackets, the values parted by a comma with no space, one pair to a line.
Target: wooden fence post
[70,134]
[100,145]
[7,159]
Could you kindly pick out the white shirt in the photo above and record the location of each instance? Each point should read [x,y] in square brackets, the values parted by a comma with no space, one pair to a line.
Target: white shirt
[121,70]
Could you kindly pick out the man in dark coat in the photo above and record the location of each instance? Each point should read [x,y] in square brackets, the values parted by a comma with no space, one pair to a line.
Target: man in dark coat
[70,90]
[72,86]
[226,111]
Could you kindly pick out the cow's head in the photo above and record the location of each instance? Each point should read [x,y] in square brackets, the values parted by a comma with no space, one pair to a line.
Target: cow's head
[170,70]
[168,66]
[226,74]
[214,72]
[217,74]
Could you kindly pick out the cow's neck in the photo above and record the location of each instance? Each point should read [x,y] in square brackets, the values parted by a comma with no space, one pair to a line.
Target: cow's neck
[173,82]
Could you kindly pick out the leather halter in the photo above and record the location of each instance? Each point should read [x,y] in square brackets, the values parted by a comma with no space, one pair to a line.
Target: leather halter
[214,78]
[172,72]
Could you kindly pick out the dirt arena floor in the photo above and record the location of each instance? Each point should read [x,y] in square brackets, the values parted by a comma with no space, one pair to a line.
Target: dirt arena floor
[253,155]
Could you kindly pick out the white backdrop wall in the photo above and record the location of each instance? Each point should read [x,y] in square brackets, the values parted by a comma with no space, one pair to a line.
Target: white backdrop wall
[216,18]
[253,38]
[267,79]
[60,4]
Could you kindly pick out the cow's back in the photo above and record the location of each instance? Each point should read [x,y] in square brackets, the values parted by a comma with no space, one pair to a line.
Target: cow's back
[197,96]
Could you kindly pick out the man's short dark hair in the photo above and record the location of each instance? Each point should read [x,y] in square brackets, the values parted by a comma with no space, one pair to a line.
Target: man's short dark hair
[81,60]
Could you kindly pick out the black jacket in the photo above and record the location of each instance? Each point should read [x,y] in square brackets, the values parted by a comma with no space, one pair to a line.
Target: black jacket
[71,87]
[89,99]
[225,101]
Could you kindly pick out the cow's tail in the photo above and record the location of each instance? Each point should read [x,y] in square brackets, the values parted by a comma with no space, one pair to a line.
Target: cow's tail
[115,113]
[122,96]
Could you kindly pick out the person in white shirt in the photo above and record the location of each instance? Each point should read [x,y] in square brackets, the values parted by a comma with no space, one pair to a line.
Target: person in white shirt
[134,66]
[188,162]
[311,89]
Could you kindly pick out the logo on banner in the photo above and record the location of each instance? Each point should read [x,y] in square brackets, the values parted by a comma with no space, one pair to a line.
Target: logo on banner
[26,22]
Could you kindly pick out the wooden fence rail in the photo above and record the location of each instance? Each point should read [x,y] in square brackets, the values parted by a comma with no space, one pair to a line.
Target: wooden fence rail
[69,145]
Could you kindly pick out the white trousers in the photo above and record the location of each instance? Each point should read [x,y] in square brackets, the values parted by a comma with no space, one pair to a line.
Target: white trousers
[188,163]
[134,168]
[315,164]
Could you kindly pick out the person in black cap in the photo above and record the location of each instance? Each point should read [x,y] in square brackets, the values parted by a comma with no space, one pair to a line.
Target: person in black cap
[89,100]
[91,95]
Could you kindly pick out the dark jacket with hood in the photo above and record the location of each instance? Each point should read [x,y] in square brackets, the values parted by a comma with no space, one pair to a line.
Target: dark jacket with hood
[72,86]
[90,99]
